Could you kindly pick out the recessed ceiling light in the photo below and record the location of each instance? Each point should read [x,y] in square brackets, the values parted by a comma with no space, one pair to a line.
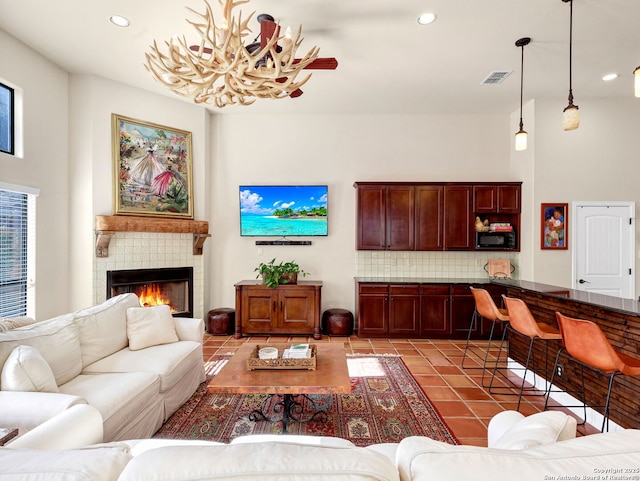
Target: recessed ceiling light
[610,76]
[427,18]
[119,21]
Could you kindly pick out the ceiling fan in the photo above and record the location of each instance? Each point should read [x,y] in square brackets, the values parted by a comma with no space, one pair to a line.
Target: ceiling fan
[270,30]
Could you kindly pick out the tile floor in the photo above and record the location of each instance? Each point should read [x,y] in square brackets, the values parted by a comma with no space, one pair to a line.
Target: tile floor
[457,393]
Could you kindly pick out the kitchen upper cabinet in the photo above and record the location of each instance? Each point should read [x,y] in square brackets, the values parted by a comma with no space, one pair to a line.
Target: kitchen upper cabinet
[500,199]
[385,217]
[458,217]
[430,216]
[429,201]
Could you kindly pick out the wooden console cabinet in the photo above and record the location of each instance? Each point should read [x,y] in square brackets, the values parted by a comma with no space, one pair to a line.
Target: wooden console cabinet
[287,309]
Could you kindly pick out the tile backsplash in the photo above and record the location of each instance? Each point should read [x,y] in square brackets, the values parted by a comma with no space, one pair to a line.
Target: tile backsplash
[410,264]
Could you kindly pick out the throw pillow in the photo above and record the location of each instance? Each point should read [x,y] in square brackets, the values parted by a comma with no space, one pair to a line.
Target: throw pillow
[150,326]
[26,370]
[539,429]
[8,323]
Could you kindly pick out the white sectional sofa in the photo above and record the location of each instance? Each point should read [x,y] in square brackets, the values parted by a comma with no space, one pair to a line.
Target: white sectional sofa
[542,446]
[135,365]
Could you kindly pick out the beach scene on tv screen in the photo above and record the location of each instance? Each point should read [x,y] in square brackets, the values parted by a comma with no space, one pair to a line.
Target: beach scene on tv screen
[283,210]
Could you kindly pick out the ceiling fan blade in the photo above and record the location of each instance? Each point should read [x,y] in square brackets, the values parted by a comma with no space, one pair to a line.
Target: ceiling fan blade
[268,29]
[322,64]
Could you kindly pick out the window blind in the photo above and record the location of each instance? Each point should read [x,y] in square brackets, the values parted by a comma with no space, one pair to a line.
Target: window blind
[17,228]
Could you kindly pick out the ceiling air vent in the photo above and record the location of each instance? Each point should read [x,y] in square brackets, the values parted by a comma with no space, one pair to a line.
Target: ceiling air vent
[496,77]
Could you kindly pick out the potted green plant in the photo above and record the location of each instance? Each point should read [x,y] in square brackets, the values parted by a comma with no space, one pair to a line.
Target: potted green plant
[275,274]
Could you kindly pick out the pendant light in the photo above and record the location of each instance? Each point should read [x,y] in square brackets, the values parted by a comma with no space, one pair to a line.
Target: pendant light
[570,115]
[521,135]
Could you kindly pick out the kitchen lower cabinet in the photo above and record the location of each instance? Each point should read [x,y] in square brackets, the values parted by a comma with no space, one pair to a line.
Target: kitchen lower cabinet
[423,310]
[287,309]
[434,311]
[404,310]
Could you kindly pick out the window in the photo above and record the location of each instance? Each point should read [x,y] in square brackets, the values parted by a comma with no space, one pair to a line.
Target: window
[17,250]
[7,120]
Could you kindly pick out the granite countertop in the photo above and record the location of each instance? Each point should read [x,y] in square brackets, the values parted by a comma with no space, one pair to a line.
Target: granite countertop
[425,280]
[625,306]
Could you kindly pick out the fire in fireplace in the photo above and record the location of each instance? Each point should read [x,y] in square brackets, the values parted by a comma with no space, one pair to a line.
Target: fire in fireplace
[171,285]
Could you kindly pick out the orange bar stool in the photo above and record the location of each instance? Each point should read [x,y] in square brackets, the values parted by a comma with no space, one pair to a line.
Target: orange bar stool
[522,322]
[486,308]
[585,342]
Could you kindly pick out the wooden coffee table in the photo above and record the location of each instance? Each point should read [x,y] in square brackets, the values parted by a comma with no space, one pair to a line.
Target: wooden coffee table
[331,376]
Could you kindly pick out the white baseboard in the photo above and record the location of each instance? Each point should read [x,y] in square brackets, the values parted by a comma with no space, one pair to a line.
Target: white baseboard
[593,417]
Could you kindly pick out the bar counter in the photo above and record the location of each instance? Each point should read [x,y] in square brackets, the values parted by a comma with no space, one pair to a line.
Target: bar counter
[620,321]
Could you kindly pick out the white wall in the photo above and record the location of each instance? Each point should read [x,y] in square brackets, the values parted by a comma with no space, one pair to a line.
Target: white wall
[336,150]
[45,166]
[598,161]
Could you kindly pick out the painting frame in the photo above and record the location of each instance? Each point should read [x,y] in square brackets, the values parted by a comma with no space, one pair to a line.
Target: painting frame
[152,169]
[554,227]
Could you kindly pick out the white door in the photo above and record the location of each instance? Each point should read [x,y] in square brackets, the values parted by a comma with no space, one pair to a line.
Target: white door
[604,248]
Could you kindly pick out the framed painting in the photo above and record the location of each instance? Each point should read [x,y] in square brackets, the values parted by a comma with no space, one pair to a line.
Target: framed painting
[152,169]
[554,227]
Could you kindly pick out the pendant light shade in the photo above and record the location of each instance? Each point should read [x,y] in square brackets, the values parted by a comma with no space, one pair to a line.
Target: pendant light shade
[521,135]
[570,114]
[636,76]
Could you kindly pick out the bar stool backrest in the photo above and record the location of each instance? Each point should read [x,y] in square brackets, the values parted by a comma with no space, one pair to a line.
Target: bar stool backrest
[520,317]
[586,342]
[485,305]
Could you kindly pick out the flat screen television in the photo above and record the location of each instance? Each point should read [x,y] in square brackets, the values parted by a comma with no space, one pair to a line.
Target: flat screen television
[283,210]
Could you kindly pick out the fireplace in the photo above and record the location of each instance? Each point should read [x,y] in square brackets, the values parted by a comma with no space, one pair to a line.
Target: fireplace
[170,285]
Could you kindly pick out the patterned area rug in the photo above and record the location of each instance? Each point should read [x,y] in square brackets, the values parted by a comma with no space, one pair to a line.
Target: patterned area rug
[386,404]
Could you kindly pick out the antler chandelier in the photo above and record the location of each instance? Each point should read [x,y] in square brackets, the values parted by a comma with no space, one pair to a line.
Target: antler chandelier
[221,70]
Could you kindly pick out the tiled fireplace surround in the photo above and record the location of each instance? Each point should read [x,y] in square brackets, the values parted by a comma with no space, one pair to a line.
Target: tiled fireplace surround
[150,250]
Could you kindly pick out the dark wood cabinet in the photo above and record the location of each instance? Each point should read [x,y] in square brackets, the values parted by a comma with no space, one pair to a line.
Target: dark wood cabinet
[286,309]
[462,309]
[385,217]
[404,310]
[429,209]
[373,310]
[457,217]
[499,199]
[434,311]
[430,310]
[431,216]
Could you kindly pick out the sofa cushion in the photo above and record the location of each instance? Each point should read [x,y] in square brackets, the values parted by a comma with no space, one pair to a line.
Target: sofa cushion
[170,362]
[115,394]
[423,459]
[56,339]
[99,463]
[542,428]
[103,328]
[260,461]
[8,323]
[26,370]
[150,326]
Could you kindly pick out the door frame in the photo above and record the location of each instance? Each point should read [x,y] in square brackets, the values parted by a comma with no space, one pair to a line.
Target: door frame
[574,229]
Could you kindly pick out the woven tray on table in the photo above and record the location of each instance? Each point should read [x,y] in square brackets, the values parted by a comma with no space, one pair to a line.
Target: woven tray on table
[254,362]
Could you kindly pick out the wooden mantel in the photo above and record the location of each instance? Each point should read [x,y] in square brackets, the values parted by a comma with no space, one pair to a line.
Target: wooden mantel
[108,225]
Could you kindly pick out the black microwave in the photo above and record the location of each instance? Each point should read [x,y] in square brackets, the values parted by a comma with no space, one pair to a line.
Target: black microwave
[495,240]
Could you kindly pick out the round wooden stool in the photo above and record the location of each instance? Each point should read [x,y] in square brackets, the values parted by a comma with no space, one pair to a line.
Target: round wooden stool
[221,321]
[337,322]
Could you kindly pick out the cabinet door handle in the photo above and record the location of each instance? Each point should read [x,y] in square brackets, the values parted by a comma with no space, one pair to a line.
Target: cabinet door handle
[275,306]
[280,306]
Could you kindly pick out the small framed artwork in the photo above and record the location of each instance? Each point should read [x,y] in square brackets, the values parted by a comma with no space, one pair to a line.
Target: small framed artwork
[554,228]
[152,169]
